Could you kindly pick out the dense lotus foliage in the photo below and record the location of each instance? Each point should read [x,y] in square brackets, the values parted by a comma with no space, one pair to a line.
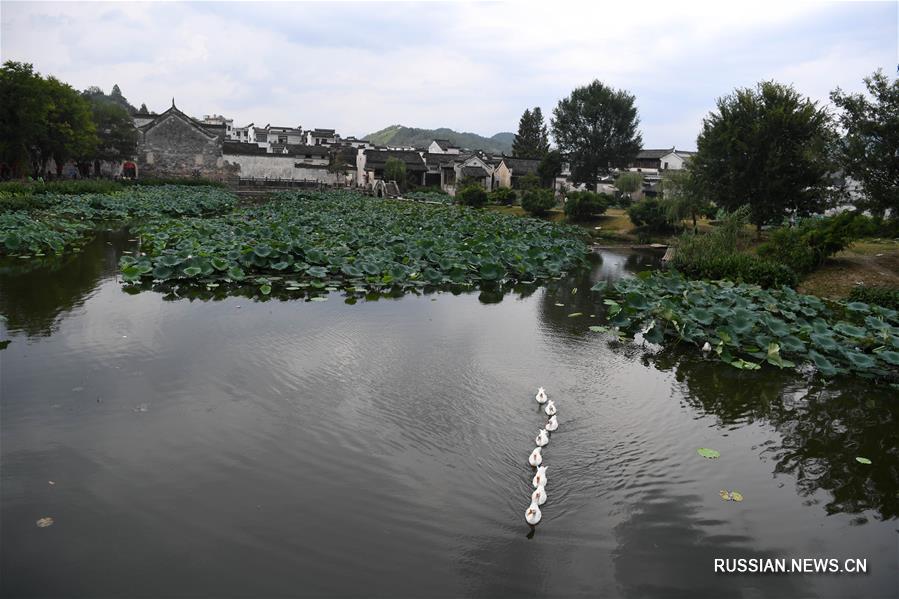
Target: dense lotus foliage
[339,239]
[62,220]
[746,326]
[21,234]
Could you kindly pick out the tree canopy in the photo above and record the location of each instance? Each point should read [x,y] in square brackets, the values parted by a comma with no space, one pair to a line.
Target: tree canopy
[595,128]
[395,170]
[766,147]
[41,119]
[869,149]
[532,139]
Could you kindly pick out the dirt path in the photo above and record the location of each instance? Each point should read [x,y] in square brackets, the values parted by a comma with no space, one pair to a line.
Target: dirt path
[871,263]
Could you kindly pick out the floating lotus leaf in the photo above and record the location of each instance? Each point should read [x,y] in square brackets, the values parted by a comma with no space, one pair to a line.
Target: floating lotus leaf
[862,460]
[849,330]
[708,453]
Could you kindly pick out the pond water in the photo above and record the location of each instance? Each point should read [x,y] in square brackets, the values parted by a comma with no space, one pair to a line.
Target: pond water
[241,448]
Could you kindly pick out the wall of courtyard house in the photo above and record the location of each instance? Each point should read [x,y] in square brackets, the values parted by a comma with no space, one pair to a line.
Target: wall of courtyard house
[273,166]
[174,148]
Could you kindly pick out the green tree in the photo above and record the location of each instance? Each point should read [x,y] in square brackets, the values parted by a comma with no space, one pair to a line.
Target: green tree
[595,128]
[24,106]
[869,150]
[767,148]
[395,170]
[70,132]
[528,181]
[627,183]
[117,137]
[532,139]
[337,163]
[550,167]
[683,198]
[472,195]
[537,202]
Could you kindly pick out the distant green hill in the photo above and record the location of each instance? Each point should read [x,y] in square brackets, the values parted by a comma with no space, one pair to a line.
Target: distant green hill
[398,135]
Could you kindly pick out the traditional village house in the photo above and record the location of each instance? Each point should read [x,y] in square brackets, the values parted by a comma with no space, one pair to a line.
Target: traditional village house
[370,164]
[661,160]
[509,171]
[175,145]
[443,146]
[321,137]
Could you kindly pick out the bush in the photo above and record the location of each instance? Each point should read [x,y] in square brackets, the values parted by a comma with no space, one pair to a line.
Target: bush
[537,201]
[805,247]
[717,255]
[582,205]
[472,195]
[528,182]
[788,246]
[502,195]
[888,297]
[649,213]
[738,267]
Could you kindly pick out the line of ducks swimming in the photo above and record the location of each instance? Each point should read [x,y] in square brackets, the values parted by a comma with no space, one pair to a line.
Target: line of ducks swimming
[538,497]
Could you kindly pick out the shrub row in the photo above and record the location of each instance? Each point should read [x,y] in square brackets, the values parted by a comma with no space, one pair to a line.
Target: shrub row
[888,297]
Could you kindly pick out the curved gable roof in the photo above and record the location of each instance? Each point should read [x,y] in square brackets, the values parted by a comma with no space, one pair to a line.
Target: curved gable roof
[175,113]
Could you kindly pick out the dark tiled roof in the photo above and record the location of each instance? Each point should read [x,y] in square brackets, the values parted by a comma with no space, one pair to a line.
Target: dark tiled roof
[238,147]
[653,154]
[522,166]
[323,132]
[378,158]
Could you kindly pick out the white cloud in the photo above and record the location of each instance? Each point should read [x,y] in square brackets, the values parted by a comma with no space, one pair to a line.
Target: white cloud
[469,66]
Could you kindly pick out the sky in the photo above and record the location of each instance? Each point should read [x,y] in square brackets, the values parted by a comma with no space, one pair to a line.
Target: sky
[360,67]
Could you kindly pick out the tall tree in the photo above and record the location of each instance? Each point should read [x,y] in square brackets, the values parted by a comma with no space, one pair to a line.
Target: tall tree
[869,150]
[395,170]
[24,106]
[550,167]
[768,148]
[337,164]
[532,139]
[70,132]
[117,137]
[683,198]
[596,129]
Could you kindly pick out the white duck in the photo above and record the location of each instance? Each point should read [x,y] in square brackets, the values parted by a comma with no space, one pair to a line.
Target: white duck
[539,496]
[533,515]
[542,438]
[541,396]
[706,348]
[550,408]
[553,424]
[535,459]
[539,479]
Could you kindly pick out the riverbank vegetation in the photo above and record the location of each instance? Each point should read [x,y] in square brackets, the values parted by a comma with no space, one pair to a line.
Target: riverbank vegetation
[748,327]
[48,223]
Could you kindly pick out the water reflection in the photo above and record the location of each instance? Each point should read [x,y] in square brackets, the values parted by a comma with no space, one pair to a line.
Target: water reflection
[34,294]
[824,426]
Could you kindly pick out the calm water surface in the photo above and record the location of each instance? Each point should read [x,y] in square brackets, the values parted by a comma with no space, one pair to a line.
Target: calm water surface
[241,448]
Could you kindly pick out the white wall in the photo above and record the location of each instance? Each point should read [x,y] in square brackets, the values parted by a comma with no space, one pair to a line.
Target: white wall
[275,166]
[672,161]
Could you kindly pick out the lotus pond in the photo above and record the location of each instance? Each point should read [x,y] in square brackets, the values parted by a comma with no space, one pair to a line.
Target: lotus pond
[196,434]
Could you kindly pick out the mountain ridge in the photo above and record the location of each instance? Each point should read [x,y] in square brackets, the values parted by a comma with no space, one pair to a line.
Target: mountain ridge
[400,135]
